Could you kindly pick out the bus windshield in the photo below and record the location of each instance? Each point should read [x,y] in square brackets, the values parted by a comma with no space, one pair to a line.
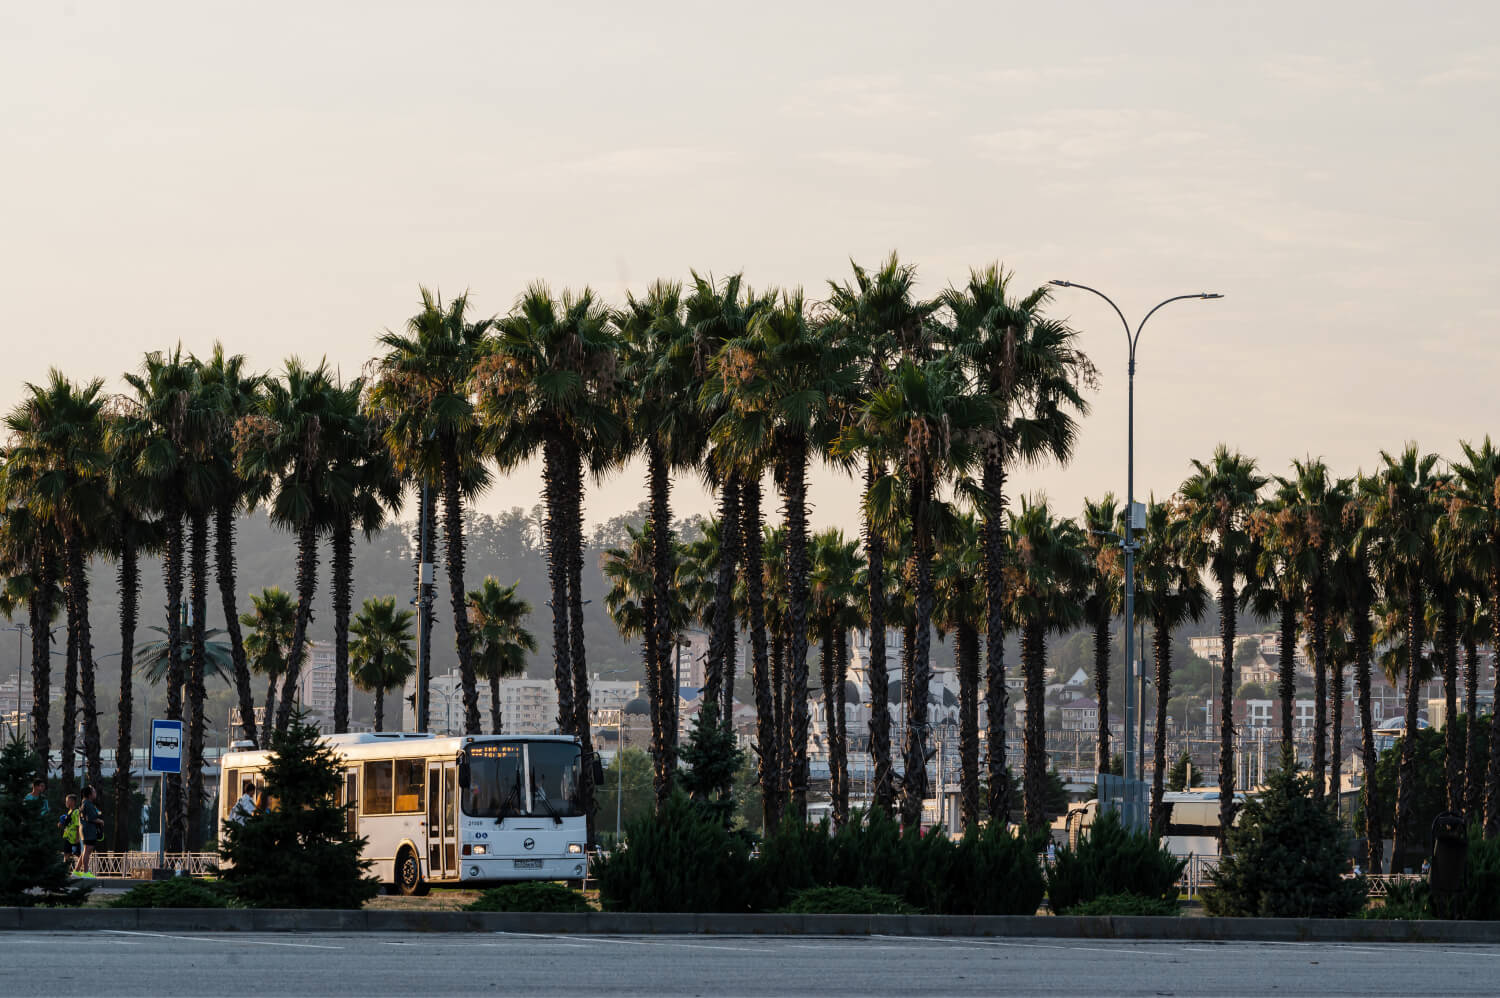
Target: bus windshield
[500,787]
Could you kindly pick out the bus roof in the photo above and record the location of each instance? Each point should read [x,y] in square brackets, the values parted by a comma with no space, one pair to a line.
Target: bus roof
[354,746]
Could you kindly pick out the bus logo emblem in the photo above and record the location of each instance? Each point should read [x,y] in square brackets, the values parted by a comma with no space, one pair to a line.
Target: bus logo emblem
[529,843]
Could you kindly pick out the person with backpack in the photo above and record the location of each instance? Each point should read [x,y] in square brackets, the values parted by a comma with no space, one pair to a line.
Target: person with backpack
[90,827]
[67,824]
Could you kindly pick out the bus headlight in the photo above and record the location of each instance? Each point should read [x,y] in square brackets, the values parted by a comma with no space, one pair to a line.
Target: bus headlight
[481,850]
[575,849]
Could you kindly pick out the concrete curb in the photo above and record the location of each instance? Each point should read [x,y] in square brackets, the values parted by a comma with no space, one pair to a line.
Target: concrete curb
[194,920]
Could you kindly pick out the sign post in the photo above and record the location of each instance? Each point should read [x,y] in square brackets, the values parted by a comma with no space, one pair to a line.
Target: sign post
[166,757]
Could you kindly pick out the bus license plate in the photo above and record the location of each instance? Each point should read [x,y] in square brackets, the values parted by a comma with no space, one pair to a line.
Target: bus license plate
[528,864]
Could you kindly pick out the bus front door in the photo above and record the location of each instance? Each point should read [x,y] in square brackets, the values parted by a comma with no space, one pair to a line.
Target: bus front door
[442,842]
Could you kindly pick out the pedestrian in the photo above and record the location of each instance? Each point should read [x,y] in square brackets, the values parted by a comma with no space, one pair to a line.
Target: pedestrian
[91,828]
[38,794]
[245,806]
[67,824]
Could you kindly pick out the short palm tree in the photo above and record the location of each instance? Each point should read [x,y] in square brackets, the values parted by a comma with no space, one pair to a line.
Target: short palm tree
[501,639]
[835,579]
[1475,507]
[1276,589]
[271,621]
[380,656]
[958,582]
[1102,520]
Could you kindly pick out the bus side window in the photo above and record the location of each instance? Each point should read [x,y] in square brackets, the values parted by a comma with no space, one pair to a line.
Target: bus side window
[378,788]
[230,795]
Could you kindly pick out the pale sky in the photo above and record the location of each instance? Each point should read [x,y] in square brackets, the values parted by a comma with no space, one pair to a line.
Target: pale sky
[282,176]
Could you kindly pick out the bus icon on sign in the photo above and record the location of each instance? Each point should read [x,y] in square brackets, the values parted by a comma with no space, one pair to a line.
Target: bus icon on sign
[166,746]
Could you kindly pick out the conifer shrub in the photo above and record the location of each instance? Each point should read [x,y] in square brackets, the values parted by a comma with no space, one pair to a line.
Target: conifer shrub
[682,859]
[1109,860]
[299,853]
[179,892]
[1124,905]
[846,901]
[32,868]
[537,896]
[1285,857]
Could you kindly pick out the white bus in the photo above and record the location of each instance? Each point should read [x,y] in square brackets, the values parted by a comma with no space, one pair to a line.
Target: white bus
[470,810]
[1193,827]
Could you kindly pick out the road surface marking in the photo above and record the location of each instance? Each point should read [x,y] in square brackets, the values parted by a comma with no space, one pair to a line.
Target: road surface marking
[202,939]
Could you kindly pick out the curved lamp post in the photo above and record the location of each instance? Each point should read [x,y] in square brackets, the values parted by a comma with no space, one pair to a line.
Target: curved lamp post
[1128,543]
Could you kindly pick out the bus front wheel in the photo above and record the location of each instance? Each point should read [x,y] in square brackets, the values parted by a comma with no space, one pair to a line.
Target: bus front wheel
[409,875]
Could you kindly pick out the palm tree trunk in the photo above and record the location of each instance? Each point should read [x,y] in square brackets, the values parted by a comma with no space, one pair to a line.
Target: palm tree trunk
[1452,750]
[1034,780]
[1360,627]
[427,540]
[130,583]
[1336,739]
[89,701]
[453,535]
[1101,681]
[794,460]
[1161,640]
[1226,698]
[1317,605]
[760,668]
[225,574]
[914,785]
[1405,835]
[993,485]
[495,703]
[39,610]
[69,764]
[172,576]
[554,475]
[267,715]
[307,588]
[884,792]
[576,654]
[783,736]
[379,707]
[1492,774]
[967,643]
[343,598]
[1473,779]
[658,638]
[1286,689]
[825,670]
[840,753]
[720,675]
[193,763]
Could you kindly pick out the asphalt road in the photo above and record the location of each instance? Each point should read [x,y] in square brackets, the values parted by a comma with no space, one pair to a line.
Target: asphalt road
[130,963]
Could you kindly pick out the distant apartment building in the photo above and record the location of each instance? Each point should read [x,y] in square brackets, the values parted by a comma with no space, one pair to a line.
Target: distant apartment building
[527,706]
[315,681]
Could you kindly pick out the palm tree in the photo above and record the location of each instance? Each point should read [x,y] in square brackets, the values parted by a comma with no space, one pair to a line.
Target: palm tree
[424,392]
[1101,520]
[1216,502]
[501,638]
[880,317]
[380,657]
[1035,376]
[1449,581]
[1048,574]
[958,582]
[1475,508]
[1169,593]
[230,394]
[1403,515]
[28,552]
[272,620]
[835,578]
[1276,588]
[1354,596]
[289,440]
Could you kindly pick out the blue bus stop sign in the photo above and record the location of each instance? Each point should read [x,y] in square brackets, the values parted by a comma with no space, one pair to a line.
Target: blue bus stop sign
[166,746]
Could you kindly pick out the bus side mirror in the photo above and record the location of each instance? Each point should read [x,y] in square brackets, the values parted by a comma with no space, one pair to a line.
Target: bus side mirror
[598,771]
[463,775]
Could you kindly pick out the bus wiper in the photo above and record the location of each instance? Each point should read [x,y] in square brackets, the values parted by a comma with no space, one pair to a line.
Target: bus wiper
[548,805]
[514,794]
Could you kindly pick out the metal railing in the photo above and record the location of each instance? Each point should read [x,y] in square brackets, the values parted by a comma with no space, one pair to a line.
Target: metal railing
[1195,875]
[1378,885]
[140,864]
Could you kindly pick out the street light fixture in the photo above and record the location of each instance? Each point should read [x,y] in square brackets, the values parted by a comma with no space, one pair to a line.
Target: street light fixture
[1128,542]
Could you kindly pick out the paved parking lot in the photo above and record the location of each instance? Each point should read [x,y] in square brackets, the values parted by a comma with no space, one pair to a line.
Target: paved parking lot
[135,963]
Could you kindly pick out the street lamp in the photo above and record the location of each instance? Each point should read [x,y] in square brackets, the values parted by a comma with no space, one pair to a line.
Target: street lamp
[1128,543]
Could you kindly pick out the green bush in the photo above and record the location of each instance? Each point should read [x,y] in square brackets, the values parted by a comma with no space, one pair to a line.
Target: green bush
[683,859]
[1112,860]
[180,892]
[32,868]
[1403,899]
[1285,857]
[1124,904]
[846,901]
[539,896]
[299,853]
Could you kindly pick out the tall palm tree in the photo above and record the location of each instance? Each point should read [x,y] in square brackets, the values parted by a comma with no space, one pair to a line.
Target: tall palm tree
[835,579]
[1353,586]
[1276,588]
[1048,573]
[1475,508]
[1448,582]
[958,581]
[880,317]
[380,657]
[501,638]
[289,439]
[1403,515]
[271,620]
[424,390]
[1216,502]
[28,547]
[1035,375]
[1101,520]
[1170,593]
